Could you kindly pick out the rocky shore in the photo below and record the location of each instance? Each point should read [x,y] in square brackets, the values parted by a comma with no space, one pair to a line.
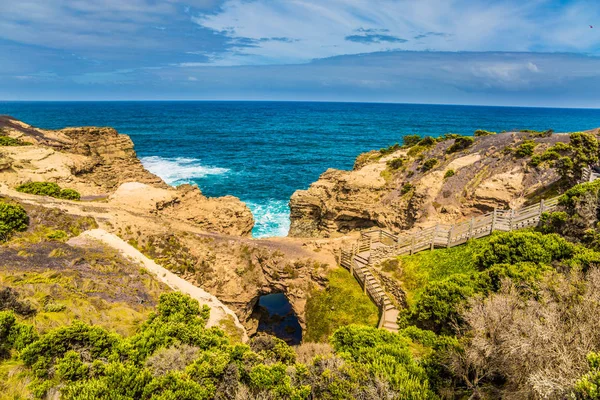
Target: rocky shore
[204,240]
[402,188]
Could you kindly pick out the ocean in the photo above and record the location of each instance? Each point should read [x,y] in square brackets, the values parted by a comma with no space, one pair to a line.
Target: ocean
[262,152]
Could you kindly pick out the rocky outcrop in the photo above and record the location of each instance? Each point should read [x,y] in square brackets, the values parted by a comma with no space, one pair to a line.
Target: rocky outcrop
[110,159]
[100,163]
[410,193]
[186,203]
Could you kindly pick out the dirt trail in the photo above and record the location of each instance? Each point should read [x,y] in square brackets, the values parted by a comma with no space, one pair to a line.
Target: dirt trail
[218,311]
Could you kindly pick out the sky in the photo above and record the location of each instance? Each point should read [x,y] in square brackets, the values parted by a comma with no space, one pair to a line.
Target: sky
[489,52]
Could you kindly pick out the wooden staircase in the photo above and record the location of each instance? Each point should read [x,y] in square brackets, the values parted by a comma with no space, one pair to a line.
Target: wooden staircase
[376,245]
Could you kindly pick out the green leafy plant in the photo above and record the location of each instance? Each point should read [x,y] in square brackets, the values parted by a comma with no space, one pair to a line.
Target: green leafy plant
[410,140]
[48,189]
[429,164]
[460,143]
[8,141]
[13,218]
[481,132]
[396,163]
[449,174]
[407,187]
[525,149]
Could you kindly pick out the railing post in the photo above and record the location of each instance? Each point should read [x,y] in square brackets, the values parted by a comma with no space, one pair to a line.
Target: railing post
[541,208]
[493,221]
[510,220]
[412,245]
[471,231]
[433,237]
[450,236]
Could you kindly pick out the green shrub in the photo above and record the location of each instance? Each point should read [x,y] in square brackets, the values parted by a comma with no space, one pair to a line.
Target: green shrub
[410,140]
[449,174]
[407,187]
[69,194]
[389,150]
[439,304]
[429,164]
[460,143]
[48,189]
[13,218]
[588,386]
[396,163]
[8,141]
[448,136]
[383,354]
[525,149]
[40,188]
[427,141]
[481,132]
[524,246]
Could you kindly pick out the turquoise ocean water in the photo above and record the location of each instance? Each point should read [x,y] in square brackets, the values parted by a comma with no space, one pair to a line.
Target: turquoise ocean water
[262,152]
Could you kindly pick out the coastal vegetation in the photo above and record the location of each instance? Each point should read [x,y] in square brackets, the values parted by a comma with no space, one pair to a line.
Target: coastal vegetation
[459,144]
[8,141]
[13,218]
[341,303]
[482,132]
[48,189]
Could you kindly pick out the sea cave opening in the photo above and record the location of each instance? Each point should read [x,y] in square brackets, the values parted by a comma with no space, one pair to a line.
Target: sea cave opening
[277,318]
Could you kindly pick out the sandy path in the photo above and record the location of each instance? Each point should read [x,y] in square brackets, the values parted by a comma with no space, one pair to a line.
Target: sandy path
[218,311]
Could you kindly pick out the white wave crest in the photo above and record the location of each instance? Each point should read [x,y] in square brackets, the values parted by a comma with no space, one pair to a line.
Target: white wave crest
[271,218]
[179,170]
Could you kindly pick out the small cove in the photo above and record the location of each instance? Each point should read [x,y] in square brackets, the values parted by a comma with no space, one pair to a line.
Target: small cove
[278,318]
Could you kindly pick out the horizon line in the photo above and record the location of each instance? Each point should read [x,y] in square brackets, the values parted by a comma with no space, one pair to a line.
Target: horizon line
[294,101]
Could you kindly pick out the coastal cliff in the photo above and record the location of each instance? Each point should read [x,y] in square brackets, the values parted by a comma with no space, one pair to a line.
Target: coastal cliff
[429,181]
[203,240]
[101,163]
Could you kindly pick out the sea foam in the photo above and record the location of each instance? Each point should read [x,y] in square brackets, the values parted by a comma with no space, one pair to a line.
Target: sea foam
[176,171]
[271,218]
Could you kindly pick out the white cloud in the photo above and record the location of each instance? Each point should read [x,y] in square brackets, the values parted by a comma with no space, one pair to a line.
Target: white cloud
[321,28]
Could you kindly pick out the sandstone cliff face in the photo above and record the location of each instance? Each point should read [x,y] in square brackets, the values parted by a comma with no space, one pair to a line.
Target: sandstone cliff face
[485,176]
[101,163]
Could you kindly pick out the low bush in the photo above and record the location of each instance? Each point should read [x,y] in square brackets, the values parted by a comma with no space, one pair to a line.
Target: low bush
[8,141]
[524,246]
[525,149]
[588,386]
[481,132]
[407,187]
[449,174]
[410,140]
[48,189]
[460,143]
[427,141]
[429,164]
[13,218]
[396,163]
[389,150]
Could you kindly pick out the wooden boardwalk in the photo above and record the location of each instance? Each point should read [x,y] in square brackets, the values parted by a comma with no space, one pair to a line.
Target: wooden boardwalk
[376,245]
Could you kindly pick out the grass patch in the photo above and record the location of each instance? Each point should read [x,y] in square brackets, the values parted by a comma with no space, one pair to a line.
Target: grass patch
[417,270]
[343,302]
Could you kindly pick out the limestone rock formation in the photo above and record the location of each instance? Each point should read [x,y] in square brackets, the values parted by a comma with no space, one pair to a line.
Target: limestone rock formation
[187,203]
[100,163]
[409,192]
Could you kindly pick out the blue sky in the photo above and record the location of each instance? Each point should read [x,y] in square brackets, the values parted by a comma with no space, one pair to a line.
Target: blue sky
[537,52]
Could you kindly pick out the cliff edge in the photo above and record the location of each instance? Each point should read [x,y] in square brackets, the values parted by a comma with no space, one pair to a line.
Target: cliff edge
[101,163]
[431,180]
